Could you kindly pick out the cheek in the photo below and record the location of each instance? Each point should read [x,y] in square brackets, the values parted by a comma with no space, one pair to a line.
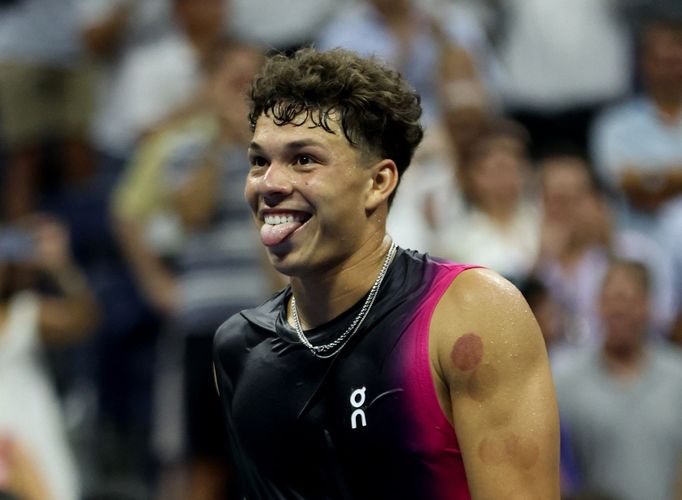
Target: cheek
[250,194]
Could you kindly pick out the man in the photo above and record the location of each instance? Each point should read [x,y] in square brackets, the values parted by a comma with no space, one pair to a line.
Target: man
[375,373]
[637,144]
[621,404]
[189,175]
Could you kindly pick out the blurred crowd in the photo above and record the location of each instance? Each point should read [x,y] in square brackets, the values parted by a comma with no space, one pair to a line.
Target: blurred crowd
[553,154]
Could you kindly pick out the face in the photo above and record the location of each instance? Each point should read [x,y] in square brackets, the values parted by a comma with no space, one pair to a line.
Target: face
[205,16]
[624,309]
[497,176]
[565,187]
[230,81]
[387,7]
[662,58]
[309,191]
[550,318]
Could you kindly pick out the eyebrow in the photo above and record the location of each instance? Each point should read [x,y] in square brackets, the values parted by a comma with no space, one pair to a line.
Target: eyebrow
[294,145]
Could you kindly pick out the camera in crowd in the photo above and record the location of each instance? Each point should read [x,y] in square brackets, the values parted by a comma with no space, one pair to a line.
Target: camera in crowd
[16,244]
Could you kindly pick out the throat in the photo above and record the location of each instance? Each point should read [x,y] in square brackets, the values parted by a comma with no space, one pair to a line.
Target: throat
[310,315]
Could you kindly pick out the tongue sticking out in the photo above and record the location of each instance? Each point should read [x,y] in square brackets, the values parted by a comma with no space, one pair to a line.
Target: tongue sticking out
[274,234]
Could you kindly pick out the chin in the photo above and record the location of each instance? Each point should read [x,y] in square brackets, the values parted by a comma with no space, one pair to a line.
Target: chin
[285,262]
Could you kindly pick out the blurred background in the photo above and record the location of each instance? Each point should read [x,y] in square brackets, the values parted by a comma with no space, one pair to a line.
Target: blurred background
[553,154]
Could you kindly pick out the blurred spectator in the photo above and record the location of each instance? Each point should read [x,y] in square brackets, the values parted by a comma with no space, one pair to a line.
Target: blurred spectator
[186,232]
[45,98]
[638,144]
[552,321]
[281,25]
[561,62]
[35,456]
[621,404]
[430,197]
[428,200]
[153,53]
[500,225]
[670,233]
[156,78]
[549,314]
[112,31]
[578,238]
[434,53]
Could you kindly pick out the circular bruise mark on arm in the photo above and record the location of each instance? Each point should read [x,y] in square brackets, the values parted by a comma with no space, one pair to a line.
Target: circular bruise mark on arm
[492,451]
[482,383]
[467,352]
[522,451]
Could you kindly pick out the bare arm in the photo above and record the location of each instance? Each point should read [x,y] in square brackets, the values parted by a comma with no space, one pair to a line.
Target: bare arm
[138,195]
[19,474]
[493,378]
[103,38]
[157,283]
[648,191]
[196,199]
[73,313]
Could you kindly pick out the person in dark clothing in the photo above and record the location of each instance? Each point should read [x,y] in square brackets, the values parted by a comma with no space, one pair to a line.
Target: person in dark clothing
[377,372]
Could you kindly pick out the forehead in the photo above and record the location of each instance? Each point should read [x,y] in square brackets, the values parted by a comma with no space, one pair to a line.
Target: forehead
[236,60]
[663,36]
[302,129]
[562,173]
[621,279]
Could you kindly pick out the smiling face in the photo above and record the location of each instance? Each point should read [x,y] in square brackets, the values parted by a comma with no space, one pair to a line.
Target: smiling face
[315,198]
[624,308]
[497,176]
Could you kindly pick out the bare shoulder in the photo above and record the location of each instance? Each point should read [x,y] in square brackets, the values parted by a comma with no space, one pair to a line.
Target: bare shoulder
[483,312]
[493,378]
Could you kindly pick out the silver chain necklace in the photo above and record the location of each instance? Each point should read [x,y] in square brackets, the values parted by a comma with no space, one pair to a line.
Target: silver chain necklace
[328,350]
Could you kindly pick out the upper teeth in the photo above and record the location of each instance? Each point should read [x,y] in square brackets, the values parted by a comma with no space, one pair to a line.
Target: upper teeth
[282,219]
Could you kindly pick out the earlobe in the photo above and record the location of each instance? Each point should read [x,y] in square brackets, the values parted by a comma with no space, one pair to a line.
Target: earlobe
[382,183]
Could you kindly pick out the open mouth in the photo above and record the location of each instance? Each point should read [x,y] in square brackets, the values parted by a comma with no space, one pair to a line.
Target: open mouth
[279,226]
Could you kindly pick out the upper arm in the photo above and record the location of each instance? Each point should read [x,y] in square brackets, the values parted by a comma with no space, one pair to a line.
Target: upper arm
[488,352]
[63,320]
[138,192]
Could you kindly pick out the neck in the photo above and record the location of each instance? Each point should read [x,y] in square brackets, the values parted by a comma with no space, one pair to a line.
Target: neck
[573,252]
[322,297]
[669,104]
[201,41]
[502,213]
[624,363]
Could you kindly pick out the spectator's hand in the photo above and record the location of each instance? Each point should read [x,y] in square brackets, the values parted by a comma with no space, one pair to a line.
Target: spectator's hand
[19,474]
[52,247]
[164,294]
[646,191]
[554,239]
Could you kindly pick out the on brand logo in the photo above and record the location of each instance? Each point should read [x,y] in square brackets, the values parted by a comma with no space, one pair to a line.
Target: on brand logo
[357,399]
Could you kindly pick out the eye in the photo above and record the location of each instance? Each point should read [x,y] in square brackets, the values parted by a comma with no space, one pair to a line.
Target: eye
[258,161]
[304,160]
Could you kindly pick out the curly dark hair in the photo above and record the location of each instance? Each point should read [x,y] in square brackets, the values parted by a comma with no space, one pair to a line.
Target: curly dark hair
[378,110]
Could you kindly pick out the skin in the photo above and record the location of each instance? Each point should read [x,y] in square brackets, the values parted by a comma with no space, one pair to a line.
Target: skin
[19,474]
[661,72]
[333,259]
[72,314]
[494,384]
[196,198]
[490,369]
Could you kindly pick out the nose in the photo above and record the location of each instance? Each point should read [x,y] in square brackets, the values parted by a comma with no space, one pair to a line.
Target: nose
[275,184]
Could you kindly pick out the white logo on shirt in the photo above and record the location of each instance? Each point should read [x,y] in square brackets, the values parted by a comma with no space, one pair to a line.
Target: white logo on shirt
[357,399]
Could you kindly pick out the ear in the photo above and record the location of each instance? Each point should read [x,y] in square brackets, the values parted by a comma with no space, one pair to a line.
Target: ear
[382,183]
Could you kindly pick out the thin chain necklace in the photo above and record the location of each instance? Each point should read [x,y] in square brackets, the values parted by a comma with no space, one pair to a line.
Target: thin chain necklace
[328,350]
